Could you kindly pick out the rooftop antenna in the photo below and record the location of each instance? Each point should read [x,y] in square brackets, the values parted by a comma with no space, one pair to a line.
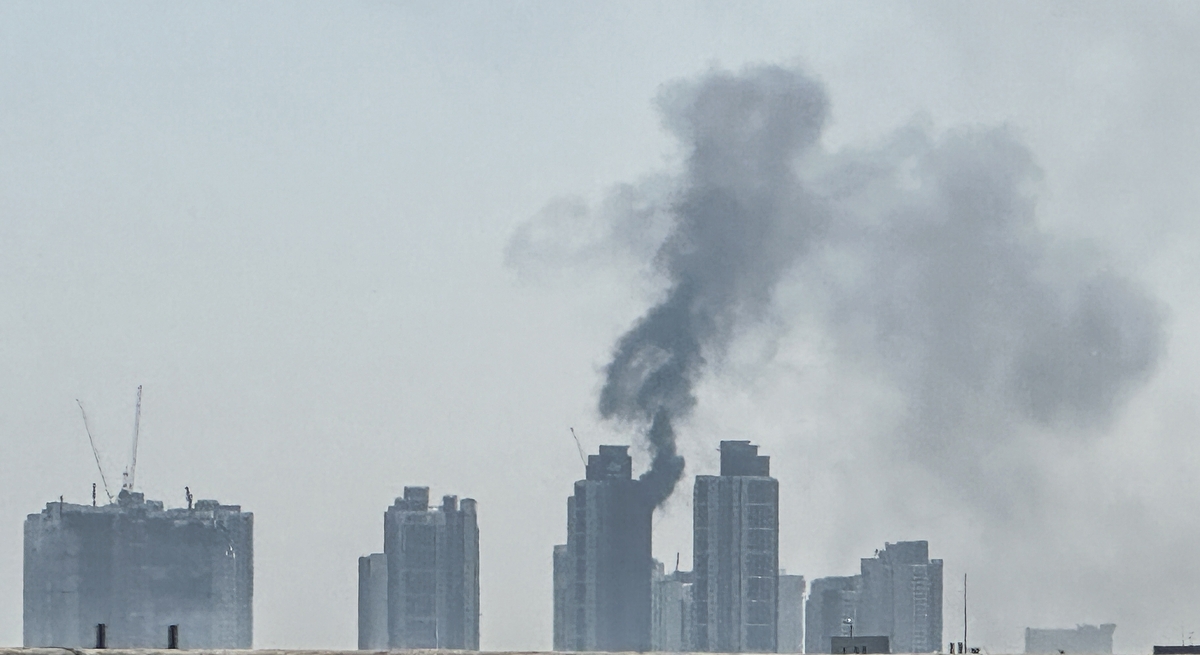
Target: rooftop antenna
[95,453]
[677,562]
[137,421]
[579,447]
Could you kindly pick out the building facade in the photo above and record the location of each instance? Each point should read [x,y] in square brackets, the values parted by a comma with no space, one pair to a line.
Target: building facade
[671,625]
[372,602]
[901,597]
[897,595]
[736,554]
[790,629]
[138,568]
[602,579]
[831,609]
[432,576]
[1081,639]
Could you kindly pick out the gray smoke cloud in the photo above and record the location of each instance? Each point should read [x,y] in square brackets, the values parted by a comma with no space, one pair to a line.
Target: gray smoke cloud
[740,220]
[921,258]
[938,274]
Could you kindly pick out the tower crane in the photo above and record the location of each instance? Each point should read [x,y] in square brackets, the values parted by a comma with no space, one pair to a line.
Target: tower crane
[95,453]
[127,484]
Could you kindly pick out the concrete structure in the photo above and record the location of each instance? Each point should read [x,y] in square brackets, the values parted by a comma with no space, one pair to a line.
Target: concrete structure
[432,573]
[830,611]
[671,611]
[736,553]
[790,627]
[372,602]
[562,581]
[901,597]
[139,568]
[1082,639]
[864,644]
[603,573]
[897,595]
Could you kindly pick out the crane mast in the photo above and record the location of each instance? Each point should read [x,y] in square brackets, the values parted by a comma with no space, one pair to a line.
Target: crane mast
[137,421]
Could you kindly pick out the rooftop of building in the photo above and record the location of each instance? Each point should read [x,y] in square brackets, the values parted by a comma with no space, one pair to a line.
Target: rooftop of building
[741,458]
[134,502]
[416,499]
[613,463]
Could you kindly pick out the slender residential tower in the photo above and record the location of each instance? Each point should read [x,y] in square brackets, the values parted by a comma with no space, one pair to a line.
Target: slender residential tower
[602,576]
[736,554]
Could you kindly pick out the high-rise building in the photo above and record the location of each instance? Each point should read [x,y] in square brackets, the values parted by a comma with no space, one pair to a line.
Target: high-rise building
[790,630]
[830,611]
[736,553]
[902,597]
[671,611]
[138,568]
[372,602]
[603,574]
[432,572]
[1080,639]
[897,595]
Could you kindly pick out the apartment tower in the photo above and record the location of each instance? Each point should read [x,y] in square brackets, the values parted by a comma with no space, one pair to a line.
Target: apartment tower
[736,554]
[602,575]
[432,575]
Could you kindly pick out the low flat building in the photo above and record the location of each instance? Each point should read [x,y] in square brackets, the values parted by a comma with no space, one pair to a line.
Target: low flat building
[1081,639]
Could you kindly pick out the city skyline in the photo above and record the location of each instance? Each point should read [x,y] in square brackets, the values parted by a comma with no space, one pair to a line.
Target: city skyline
[934,258]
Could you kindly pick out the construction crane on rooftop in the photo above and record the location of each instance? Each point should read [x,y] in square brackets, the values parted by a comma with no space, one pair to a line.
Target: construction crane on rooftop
[127,485]
[95,453]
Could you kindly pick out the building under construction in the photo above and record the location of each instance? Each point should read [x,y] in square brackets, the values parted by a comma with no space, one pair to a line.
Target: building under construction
[138,569]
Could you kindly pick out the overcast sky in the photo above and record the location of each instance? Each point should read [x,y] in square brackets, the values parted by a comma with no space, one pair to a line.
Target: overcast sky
[305,229]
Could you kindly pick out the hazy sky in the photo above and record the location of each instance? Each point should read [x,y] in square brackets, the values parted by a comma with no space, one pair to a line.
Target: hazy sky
[350,247]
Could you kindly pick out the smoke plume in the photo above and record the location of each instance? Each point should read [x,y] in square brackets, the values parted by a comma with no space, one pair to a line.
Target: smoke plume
[921,260]
[740,220]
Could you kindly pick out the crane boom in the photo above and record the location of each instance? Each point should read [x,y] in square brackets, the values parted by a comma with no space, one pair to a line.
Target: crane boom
[579,447]
[95,453]
[137,421]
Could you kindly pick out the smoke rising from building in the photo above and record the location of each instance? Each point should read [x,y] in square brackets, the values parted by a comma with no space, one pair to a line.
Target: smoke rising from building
[921,260]
[740,219]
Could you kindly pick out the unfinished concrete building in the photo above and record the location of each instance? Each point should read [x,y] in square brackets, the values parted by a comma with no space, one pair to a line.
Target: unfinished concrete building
[603,573]
[671,625]
[1080,639]
[790,628]
[138,568]
[431,575]
[736,553]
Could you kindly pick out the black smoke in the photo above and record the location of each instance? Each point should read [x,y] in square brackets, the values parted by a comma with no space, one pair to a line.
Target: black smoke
[921,259]
[740,219]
